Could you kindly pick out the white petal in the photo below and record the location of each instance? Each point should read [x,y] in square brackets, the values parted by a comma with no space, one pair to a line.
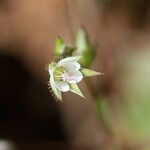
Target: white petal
[71,66]
[74,77]
[68,59]
[62,86]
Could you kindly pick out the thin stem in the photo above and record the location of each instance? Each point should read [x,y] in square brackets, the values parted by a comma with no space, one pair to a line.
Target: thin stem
[69,21]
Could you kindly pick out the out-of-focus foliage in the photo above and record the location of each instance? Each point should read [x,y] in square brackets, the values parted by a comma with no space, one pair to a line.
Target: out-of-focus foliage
[85,48]
[104,111]
[137,92]
[129,118]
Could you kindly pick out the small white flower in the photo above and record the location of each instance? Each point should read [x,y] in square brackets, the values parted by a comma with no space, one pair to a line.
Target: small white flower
[65,75]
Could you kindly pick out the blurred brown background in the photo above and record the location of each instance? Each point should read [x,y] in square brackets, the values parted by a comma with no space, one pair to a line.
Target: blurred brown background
[30,117]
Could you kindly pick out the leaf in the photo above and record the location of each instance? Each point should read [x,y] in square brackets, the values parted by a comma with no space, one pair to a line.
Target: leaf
[85,48]
[88,72]
[75,89]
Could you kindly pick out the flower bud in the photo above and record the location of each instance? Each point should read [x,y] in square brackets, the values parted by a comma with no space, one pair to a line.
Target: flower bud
[85,49]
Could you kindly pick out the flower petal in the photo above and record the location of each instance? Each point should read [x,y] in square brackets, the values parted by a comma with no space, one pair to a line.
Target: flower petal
[74,77]
[68,59]
[71,66]
[62,86]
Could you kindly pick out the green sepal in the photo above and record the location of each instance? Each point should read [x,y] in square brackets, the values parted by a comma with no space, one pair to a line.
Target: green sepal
[75,89]
[52,66]
[55,91]
[88,72]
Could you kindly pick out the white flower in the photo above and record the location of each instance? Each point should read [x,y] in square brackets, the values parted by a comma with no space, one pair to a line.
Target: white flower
[65,75]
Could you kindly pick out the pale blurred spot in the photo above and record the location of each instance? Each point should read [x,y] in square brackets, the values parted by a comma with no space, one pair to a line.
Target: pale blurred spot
[7,145]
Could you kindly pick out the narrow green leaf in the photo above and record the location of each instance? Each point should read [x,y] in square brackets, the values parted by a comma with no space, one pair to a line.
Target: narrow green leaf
[75,89]
[88,72]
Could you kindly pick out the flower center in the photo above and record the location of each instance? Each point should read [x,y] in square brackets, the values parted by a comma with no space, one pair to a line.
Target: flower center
[58,73]
[69,77]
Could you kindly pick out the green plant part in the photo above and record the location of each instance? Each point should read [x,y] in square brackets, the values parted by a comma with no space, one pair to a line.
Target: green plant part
[65,75]
[85,49]
[61,49]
